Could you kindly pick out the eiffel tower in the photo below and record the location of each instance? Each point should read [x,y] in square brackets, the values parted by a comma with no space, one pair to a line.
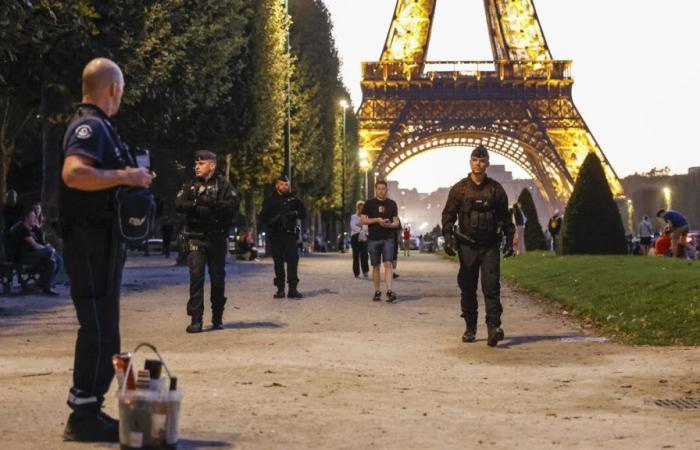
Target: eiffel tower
[519,105]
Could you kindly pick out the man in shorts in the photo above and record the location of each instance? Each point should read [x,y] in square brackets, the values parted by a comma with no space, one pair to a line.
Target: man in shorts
[382,217]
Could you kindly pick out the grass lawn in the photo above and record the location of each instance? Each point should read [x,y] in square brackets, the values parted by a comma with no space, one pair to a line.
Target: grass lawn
[649,300]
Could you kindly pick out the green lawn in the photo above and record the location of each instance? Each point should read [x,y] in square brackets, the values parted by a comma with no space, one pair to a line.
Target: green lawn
[640,300]
[652,300]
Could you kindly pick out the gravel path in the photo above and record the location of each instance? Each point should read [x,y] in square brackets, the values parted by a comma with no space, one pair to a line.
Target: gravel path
[337,371]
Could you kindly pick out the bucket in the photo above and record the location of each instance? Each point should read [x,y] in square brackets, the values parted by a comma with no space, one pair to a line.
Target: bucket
[149,419]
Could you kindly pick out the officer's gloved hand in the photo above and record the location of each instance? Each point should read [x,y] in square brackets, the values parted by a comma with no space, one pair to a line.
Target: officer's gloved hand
[508,252]
[449,246]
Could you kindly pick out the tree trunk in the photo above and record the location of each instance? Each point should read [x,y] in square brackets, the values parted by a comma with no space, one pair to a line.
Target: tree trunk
[50,154]
[250,212]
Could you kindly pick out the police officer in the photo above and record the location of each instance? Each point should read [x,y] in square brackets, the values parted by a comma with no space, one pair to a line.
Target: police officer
[209,204]
[481,206]
[95,162]
[281,212]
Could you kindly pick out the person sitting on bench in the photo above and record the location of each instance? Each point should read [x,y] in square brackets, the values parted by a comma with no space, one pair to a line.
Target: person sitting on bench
[24,249]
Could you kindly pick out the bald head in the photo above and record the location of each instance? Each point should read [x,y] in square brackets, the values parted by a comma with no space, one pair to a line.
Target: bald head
[103,85]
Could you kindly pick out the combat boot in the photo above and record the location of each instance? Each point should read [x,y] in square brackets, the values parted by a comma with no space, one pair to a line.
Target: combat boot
[89,425]
[495,334]
[217,322]
[195,326]
[293,293]
[470,333]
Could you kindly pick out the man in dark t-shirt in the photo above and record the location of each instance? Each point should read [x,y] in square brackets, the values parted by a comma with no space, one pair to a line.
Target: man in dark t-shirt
[382,216]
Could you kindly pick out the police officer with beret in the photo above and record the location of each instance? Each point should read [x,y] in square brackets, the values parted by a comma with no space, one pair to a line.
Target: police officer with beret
[95,163]
[480,205]
[209,204]
[282,212]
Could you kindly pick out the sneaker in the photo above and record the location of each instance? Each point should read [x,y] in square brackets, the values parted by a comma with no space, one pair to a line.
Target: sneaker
[365,274]
[279,294]
[293,293]
[91,426]
[195,326]
[469,336]
[50,292]
[377,296]
[394,275]
[217,326]
[495,335]
[390,297]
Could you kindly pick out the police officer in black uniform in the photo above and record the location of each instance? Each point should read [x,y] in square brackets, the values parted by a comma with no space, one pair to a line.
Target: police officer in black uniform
[481,206]
[282,212]
[209,204]
[95,163]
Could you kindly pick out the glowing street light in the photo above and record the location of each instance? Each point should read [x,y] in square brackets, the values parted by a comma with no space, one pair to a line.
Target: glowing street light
[667,197]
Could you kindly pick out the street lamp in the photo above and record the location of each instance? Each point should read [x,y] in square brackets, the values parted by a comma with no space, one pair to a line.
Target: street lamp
[343,104]
[667,197]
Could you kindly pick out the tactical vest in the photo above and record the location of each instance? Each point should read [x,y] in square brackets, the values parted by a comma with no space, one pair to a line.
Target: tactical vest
[477,217]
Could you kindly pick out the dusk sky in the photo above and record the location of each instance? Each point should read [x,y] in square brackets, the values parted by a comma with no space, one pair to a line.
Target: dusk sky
[635,70]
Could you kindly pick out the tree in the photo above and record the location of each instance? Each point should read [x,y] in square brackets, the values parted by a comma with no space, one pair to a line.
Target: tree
[534,238]
[592,223]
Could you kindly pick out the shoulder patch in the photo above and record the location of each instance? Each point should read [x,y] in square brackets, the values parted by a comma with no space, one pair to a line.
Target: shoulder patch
[83,132]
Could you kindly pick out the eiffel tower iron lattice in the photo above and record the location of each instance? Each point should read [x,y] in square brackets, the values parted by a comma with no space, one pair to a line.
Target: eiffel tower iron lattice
[519,105]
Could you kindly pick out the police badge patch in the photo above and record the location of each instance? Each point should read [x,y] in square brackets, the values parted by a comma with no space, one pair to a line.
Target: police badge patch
[83,132]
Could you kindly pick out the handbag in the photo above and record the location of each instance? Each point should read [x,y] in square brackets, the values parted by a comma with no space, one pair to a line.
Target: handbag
[135,210]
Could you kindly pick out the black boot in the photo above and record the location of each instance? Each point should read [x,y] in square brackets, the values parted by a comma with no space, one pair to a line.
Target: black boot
[495,334]
[470,333]
[217,322]
[195,326]
[293,293]
[279,293]
[91,425]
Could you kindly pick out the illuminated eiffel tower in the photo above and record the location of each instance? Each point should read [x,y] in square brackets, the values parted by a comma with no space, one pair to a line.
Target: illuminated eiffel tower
[518,105]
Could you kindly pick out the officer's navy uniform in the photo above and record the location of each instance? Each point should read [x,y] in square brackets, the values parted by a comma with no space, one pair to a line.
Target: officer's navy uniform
[209,208]
[482,211]
[280,212]
[94,256]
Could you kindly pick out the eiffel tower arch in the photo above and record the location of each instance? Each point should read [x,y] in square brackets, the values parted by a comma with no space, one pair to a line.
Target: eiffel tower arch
[519,105]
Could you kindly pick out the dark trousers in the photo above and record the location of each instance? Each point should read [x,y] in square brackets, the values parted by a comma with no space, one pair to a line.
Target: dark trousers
[94,261]
[46,262]
[487,260]
[284,250]
[360,258]
[210,252]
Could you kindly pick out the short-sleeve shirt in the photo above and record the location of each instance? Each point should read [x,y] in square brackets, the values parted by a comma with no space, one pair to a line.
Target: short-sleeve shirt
[17,243]
[92,134]
[675,218]
[386,209]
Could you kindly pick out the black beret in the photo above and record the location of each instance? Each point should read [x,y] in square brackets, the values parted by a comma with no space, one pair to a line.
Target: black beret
[205,155]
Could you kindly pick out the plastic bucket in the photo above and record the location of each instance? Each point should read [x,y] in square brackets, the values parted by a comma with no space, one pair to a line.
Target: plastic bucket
[148,419]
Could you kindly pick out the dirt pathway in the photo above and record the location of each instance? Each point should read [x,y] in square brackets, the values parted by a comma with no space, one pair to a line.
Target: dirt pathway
[335,370]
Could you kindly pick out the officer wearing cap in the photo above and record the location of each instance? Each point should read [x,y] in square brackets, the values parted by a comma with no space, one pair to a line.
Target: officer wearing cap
[209,204]
[281,212]
[95,163]
[480,205]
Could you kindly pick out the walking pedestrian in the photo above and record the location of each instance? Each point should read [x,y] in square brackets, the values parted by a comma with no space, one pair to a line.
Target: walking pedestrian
[381,215]
[520,223]
[554,227]
[646,231]
[209,203]
[95,163]
[358,242]
[480,205]
[406,241]
[282,212]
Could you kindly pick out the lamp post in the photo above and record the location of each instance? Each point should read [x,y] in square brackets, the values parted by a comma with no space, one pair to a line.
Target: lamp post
[343,104]
[288,119]
[667,197]
[365,165]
